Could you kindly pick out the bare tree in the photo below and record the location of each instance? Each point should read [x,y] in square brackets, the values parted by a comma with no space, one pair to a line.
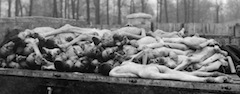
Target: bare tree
[132,7]
[143,5]
[217,11]
[88,11]
[69,9]
[0,7]
[161,9]
[166,10]
[107,12]
[193,10]
[61,8]
[16,7]
[177,11]
[9,7]
[65,8]
[185,10]
[188,10]
[77,10]
[30,8]
[97,11]
[119,12]
[157,10]
[55,13]
[199,7]
[21,7]
[73,8]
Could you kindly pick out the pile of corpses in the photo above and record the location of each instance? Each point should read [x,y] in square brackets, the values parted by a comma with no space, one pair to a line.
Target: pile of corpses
[125,52]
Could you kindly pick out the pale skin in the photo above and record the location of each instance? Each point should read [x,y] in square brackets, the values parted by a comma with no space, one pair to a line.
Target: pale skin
[158,42]
[154,71]
[211,64]
[71,29]
[159,52]
[85,34]
[131,32]
[163,34]
[192,42]
[143,42]
[201,56]
[6,49]
[179,59]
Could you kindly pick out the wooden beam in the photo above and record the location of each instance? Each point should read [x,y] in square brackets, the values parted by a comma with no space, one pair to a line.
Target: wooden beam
[96,78]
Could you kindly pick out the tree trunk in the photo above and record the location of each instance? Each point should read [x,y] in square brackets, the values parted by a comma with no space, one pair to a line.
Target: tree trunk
[9,7]
[161,9]
[198,13]
[193,11]
[88,11]
[31,8]
[217,13]
[61,9]
[185,11]
[65,9]
[69,9]
[166,10]
[119,12]
[143,5]
[157,10]
[130,10]
[16,7]
[107,12]
[177,11]
[55,13]
[188,10]
[73,8]
[97,11]
[133,6]
[0,8]
[21,8]
[77,10]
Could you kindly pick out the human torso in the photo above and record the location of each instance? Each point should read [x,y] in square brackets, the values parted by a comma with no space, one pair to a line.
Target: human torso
[132,30]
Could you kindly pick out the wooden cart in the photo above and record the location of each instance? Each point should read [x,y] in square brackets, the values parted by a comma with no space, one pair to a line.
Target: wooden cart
[19,81]
[14,81]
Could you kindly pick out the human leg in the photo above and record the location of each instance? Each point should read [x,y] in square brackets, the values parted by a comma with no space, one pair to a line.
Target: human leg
[176,46]
[206,74]
[70,29]
[116,73]
[217,49]
[131,36]
[177,75]
[197,76]
[211,67]
[173,40]
[183,64]
[79,38]
[210,59]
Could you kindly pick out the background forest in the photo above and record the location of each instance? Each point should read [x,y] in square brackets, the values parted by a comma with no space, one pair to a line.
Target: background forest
[114,11]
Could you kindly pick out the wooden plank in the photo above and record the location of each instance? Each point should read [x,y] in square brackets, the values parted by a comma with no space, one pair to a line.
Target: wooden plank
[36,85]
[213,87]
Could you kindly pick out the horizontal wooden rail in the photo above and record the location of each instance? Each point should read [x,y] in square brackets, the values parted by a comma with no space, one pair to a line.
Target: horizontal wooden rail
[124,82]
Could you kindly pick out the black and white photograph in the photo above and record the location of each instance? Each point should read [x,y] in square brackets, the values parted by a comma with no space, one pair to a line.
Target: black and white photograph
[119,46]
